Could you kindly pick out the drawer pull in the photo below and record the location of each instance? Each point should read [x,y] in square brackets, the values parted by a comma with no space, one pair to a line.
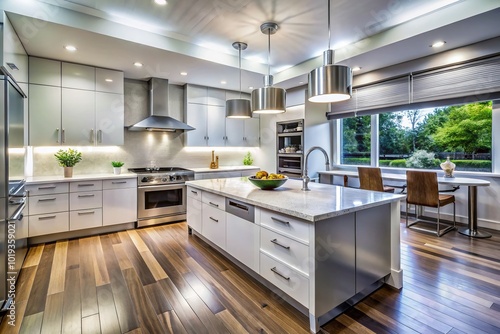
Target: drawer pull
[194,192]
[46,217]
[86,213]
[89,195]
[274,270]
[49,187]
[213,204]
[280,221]
[118,182]
[275,241]
[86,185]
[46,199]
[215,220]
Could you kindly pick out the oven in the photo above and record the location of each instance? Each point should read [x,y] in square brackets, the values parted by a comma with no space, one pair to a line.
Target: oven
[161,194]
[162,203]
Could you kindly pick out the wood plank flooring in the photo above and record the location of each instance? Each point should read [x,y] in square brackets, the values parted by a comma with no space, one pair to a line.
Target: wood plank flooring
[161,280]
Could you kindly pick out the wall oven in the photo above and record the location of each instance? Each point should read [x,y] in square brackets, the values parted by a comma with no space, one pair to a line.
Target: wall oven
[161,194]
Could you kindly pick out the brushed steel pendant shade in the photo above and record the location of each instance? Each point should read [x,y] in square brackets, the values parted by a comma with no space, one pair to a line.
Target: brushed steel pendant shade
[269,99]
[239,108]
[330,83]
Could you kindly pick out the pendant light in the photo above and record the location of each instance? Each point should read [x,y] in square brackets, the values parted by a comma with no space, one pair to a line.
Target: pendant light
[268,100]
[330,83]
[239,108]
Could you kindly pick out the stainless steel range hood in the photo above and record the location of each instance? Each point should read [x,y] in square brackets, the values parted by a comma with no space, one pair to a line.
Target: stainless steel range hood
[158,111]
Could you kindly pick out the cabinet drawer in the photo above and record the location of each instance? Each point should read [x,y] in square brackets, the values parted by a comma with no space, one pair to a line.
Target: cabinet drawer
[82,219]
[47,188]
[291,282]
[290,226]
[214,200]
[194,193]
[48,224]
[213,225]
[85,200]
[49,203]
[22,228]
[120,183]
[287,250]
[85,186]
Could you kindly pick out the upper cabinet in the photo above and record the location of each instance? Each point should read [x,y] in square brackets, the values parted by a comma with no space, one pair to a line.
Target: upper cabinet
[73,104]
[205,110]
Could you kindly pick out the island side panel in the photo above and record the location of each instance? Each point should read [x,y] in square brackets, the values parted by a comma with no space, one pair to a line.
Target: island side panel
[396,277]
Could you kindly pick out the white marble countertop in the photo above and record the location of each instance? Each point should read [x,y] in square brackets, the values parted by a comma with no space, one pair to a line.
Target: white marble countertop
[83,177]
[322,202]
[221,169]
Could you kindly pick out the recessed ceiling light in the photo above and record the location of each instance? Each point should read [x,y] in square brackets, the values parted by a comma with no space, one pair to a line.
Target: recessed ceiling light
[161,2]
[438,44]
[301,82]
[356,68]
[184,73]
[108,80]
[223,82]
[70,48]
[138,64]
[250,87]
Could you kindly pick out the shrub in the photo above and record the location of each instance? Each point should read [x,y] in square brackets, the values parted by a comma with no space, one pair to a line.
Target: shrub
[422,159]
[398,163]
[384,163]
[472,164]
[356,161]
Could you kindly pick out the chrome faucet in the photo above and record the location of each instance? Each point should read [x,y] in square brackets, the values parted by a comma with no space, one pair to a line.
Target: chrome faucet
[305,178]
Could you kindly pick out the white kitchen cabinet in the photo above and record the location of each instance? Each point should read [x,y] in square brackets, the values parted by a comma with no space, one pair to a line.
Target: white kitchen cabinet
[84,200]
[109,120]
[78,117]
[44,71]
[48,223]
[216,129]
[209,122]
[193,214]
[119,204]
[78,76]
[213,225]
[44,115]
[216,97]
[83,219]
[242,132]
[108,81]
[205,95]
[242,241]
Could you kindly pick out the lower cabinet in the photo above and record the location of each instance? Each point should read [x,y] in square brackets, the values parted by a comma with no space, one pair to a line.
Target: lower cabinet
[48,224]
[193,214]
[213,225]
[82,219]
[119,201]
[242,241]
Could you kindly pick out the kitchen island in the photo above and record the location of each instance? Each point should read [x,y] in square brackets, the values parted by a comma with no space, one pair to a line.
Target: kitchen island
[322,250]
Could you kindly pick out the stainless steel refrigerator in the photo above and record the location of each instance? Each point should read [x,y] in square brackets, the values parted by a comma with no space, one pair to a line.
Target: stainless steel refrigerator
[13,248]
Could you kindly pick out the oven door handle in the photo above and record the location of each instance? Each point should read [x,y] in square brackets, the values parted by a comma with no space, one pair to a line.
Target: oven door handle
[18,214]
[163,186]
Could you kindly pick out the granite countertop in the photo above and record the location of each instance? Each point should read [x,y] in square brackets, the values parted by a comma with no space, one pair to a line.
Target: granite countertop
[222,169]
[84,177]
[322,202]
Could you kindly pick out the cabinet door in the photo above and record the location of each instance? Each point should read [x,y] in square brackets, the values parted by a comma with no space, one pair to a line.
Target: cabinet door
[109,113]
[119,206]
[213,225]
[216,125]
[78,117]
[197,117]
[235,134]
[252,131]
[44,115]
[78,76]
[44,71]
[242,241]
[193,214]
[196,94]
[216,97]
[108,81]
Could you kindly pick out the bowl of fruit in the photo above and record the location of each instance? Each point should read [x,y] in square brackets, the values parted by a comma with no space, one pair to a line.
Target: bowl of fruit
[267,181]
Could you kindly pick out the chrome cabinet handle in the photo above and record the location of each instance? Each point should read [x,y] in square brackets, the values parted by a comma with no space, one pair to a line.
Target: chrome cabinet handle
[215,220]
[86,185]
[49,187]
[57,135]
[89,195]
[86,213]
[194,192]
[92,136]
[118,182]
[46,199]
[274,270]
[213,204]
[99,136]
[46,217]
[275,241]
[281,221]
[63,136]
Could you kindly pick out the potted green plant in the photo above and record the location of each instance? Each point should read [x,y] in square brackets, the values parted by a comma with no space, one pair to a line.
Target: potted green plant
[117,167]
[248,160]
[68,159]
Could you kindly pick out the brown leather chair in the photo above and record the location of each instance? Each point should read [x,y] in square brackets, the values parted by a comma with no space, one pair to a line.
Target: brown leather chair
[370,178]
[422,190]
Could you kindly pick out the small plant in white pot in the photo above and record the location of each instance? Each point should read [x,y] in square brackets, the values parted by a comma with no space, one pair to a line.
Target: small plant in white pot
[68,159]
[117,167]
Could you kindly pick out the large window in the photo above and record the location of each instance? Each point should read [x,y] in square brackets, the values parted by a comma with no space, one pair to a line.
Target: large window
[423,138]
[356,141]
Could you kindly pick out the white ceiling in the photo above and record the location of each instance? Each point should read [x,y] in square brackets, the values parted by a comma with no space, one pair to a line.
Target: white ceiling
[196,35]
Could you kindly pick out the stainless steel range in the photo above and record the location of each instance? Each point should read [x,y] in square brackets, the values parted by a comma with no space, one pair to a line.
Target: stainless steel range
[161,194]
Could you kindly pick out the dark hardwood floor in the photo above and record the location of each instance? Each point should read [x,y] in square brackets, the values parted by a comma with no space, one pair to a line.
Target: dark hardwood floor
[160,280]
